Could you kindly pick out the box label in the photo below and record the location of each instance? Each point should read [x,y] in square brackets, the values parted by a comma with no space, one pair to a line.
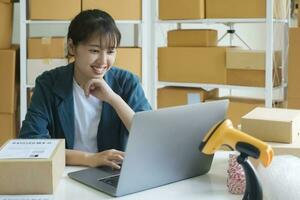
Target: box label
[28,149]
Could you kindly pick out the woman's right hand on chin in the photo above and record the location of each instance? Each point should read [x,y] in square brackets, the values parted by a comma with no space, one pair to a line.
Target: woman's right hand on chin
[112,158]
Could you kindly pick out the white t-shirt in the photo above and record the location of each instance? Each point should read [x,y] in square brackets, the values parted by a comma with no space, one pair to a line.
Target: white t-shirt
[87,114]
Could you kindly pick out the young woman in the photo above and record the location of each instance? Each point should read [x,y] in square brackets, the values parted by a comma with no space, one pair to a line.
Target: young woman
[89,103]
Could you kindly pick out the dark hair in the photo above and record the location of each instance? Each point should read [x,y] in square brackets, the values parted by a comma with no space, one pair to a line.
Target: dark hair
[89,23]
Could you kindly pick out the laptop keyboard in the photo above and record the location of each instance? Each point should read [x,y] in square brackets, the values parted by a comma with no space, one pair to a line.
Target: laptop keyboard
[112,180]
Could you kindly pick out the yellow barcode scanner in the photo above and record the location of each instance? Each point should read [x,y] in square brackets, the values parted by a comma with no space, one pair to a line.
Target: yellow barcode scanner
[225,134]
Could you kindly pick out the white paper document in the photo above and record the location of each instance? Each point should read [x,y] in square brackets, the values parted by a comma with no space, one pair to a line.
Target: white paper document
[28,149]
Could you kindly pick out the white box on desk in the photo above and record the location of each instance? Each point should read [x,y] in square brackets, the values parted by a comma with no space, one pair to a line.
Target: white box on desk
[273,124]
[32,176]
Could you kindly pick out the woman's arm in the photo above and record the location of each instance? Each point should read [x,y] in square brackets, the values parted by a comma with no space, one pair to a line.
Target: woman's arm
[100,89]
[110,158]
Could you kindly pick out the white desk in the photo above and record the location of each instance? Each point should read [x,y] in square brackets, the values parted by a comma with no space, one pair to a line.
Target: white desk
[211,186]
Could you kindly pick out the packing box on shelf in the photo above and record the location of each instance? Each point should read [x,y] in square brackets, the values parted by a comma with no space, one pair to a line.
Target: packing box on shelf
[6,24]
[238,107]
[249,59]
[193,38]
[273,124]
[36,67]
[181,9]
[192,64]
[298,17]
[285,149]
[46,47]
[32,175]
[293,103]
[54,9]
[8,126]
[9,67]
[251,78]
[118,9]
[244,9]
[294,64]
[129,59]
[176,96]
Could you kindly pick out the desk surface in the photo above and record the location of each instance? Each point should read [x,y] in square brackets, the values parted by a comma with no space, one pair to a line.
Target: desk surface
[207,187]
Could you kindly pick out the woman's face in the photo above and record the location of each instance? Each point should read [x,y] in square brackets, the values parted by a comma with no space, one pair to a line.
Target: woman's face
[91,61]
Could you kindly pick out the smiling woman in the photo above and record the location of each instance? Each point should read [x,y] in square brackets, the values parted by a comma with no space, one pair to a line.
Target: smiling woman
[89,102]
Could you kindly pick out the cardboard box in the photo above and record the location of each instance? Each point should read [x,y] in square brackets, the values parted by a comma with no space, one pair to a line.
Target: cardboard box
[8,127]
[6,24]
[118,9]
[176,96]
[47,47]
[293,103]
[294,64]
[249,59]
[36,67]
[285,149]
[238,107]
[32,176]
[9,67]
[298,17]
[251,78]
[273,124]
[244,9]
[130,59]
[54,9]
[192,64]
[181,9]
[193,38]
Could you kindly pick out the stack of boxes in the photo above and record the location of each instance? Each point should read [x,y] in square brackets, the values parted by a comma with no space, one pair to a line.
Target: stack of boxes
[210,9]
[9,75]
[192,56]
[46,53]
[280,127]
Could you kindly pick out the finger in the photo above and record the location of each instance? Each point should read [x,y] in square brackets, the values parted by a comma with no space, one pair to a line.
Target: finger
[87,87]
[116,157]
[113,164]
[122,153]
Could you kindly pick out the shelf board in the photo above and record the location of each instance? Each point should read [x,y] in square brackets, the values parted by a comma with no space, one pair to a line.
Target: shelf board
[223,21]
[68,21]
[207,86]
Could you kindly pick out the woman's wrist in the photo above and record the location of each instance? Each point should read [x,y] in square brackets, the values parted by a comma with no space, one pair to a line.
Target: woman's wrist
[113,100]
[87,158]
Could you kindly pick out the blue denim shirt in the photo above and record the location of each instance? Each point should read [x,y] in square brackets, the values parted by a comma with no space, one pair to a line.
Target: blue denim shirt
[51,111]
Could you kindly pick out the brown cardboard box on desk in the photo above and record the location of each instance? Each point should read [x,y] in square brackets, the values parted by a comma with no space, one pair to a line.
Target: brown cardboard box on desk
[238,107]
[53,9]
[285,149]
[181,9]
[273,124]
[32,175]
[193,38]
[117,8]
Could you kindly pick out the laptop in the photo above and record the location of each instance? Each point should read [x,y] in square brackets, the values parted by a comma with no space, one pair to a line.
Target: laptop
[162,148]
